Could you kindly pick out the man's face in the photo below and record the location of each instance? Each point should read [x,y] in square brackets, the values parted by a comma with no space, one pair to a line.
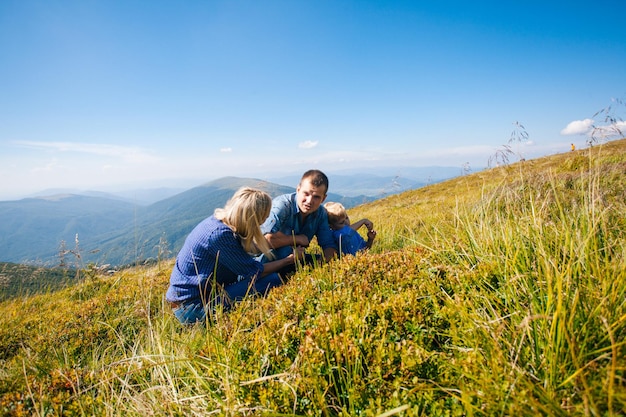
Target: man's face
[310,197]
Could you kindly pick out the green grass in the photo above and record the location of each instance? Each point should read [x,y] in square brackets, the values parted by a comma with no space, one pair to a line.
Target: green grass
[497,293]
[17,280]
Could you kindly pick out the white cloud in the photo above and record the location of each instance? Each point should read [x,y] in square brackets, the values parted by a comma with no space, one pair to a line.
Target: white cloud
[47,168]
[127,153]
[308,144]
[578,127]
[226,150]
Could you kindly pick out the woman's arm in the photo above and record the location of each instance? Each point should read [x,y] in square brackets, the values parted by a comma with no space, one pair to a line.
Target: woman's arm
[279,239]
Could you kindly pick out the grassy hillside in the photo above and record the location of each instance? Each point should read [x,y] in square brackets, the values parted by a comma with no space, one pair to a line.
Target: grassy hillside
[18,280]
[497,293]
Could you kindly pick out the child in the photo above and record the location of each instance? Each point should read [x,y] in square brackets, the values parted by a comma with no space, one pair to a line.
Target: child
[346,236]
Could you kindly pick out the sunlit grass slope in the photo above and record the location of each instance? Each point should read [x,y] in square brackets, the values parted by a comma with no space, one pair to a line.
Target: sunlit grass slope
[497,293]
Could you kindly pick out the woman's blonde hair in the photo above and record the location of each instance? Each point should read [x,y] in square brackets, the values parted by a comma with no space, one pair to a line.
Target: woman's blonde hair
[245,212]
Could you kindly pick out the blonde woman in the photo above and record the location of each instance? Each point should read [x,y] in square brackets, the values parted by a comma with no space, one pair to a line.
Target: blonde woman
[216,265]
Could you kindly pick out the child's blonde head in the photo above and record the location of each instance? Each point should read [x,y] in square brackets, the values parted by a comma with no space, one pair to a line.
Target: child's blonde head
[336,213]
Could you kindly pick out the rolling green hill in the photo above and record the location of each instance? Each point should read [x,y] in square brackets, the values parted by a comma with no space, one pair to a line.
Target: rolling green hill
[170,221]
[159,230]
[497,293]
[32,229]
[18,280]
[113,232]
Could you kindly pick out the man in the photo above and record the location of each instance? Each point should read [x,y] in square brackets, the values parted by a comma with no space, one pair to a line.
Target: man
[297,217]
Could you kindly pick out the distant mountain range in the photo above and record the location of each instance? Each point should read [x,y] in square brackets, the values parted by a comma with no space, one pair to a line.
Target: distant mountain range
[105,229]
[140,196]
[378,183]
[134,226]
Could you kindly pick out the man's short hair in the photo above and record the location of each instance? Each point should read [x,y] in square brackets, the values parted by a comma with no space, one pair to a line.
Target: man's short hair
[317,178]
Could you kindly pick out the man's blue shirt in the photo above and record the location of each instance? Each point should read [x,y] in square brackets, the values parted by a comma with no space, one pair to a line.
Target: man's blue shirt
[285,217]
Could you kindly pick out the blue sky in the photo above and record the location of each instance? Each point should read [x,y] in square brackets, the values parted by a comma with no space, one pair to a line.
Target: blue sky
[104,94]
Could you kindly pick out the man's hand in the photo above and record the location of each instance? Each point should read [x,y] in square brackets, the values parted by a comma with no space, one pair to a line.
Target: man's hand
[298,252]
[302,240]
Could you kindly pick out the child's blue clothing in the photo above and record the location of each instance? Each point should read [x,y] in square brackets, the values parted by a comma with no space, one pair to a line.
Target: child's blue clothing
[349,240]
